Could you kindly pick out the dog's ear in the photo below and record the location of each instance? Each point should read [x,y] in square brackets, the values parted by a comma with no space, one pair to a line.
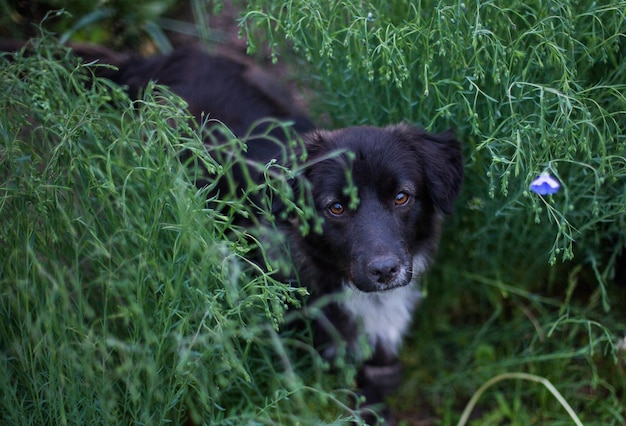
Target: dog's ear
[295,157]
[442,162]
[316,142]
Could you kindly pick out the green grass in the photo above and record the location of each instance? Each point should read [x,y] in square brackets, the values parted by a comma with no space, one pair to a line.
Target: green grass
[116,23]
[126,298]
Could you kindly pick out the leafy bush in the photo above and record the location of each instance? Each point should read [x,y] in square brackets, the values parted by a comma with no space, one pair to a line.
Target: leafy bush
[120,24]
[125,297]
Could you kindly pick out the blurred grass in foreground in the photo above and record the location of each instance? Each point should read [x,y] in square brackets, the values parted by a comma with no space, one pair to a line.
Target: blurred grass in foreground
[126,298]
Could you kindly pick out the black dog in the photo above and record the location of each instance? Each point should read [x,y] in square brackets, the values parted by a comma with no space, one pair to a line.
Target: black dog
[374,252]
[382,194]
[375,243]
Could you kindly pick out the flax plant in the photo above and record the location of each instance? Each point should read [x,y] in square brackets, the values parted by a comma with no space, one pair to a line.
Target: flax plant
[129,294]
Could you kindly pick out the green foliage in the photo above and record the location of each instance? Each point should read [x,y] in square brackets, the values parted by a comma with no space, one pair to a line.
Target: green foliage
[117,23]
[126,298]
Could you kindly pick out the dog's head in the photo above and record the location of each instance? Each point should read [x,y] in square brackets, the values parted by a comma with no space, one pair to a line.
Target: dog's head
[382,196]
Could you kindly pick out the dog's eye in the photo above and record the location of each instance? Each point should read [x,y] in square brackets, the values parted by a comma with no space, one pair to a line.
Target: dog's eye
[401,198]
[336,209]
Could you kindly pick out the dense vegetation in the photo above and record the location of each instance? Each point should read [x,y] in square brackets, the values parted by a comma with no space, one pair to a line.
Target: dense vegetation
[126,298]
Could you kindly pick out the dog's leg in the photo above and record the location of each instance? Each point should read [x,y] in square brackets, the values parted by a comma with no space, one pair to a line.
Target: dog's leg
[378,377]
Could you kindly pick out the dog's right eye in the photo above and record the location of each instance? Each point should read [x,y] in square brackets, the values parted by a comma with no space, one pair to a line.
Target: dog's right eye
[336,209]
[401,198]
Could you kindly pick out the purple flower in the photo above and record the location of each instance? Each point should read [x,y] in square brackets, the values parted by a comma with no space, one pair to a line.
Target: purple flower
[545,184]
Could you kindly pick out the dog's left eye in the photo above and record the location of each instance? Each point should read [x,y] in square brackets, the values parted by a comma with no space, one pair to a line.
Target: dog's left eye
[336,209]
[402,198]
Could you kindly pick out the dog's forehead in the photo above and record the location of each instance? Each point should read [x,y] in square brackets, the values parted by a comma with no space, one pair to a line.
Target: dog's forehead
[376,151]
[370,155]
[362,137]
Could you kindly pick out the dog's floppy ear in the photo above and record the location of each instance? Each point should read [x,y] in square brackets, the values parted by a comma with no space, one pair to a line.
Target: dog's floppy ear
[442,162]
[295,157]
[316,142]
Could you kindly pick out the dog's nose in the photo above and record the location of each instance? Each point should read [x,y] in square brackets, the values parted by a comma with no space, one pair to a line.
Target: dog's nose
[384,268]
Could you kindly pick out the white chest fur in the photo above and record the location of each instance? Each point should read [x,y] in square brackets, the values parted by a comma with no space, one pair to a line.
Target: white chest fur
[385,316]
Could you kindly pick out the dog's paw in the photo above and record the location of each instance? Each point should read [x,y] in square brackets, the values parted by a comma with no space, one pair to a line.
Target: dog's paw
[377,415]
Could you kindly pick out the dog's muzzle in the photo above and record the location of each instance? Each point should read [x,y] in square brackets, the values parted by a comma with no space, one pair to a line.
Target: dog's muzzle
[381,273]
